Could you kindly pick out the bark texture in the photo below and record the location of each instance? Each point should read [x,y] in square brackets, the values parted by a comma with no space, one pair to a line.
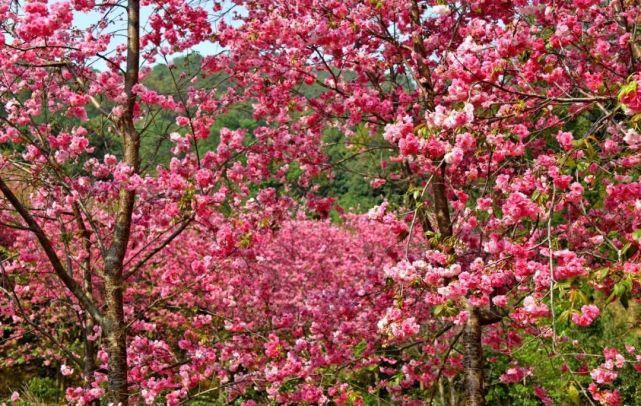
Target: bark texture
[474,377]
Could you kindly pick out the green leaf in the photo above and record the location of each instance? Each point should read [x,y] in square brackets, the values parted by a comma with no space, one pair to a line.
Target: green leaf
[536,194]
[440,310]
[628,88]
[564,316]
[583,166]
[573,395]
[360,348]
[602,273]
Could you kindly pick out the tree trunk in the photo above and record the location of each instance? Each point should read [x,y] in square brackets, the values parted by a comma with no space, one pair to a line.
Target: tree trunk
[116,335]
[475,394]
[115,327]
[441,205]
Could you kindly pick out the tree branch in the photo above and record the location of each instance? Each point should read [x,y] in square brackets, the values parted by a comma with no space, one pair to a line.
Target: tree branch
[46,245]
[159,248]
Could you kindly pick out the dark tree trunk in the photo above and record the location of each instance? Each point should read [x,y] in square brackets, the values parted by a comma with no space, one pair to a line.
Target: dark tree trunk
[115,326]
[475,393]
[116,336]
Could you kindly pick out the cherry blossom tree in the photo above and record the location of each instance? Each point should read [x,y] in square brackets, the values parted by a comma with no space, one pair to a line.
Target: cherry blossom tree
[511,126]
[200,314]
[90,217]
[515,129]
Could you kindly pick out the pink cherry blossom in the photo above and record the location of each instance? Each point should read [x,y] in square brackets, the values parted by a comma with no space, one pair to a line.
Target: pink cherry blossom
[588,314]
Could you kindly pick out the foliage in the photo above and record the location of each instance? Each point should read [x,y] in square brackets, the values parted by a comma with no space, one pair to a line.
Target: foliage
[349,202]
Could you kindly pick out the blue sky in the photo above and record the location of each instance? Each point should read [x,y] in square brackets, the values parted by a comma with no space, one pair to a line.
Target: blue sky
[85,20]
